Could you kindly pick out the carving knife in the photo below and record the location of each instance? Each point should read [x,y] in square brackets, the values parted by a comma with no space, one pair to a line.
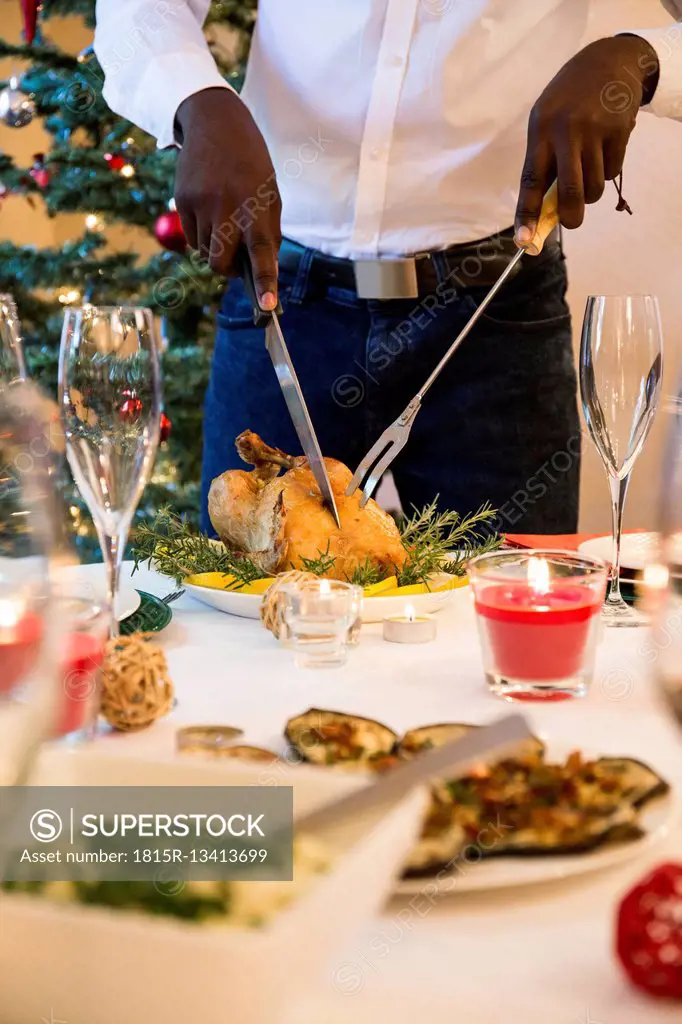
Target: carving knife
[291,389]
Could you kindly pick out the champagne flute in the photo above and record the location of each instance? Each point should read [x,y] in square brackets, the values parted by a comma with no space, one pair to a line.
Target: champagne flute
[620,384]
[111,404]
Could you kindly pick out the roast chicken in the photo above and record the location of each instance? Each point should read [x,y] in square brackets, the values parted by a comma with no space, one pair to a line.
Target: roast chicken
[278,518]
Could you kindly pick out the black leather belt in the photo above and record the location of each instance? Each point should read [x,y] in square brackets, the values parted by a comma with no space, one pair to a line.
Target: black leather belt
[472,265]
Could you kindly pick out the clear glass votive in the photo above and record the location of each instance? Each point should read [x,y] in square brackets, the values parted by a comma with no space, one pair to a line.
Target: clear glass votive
[81,661]
[538,615]
[320,616]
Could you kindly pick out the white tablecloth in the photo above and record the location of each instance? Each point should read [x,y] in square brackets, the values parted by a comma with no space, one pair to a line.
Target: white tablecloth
[537,955]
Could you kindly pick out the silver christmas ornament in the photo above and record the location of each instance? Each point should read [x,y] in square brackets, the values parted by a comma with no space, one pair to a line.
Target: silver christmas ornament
[16,108]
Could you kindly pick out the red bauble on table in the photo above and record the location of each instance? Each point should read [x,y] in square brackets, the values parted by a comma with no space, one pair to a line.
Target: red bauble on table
[169,233]
[165,428]
[649,933]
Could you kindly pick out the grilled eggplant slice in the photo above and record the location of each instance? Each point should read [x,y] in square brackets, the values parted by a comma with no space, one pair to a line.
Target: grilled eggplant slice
[334,738]
[441,842]
[638,783]
[619,826]
[428,736]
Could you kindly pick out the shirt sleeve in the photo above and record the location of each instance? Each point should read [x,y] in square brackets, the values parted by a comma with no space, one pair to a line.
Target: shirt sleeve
[154,55]
[667,42]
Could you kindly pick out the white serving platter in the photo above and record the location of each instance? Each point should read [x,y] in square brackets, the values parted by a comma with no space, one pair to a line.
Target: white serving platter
[374,609]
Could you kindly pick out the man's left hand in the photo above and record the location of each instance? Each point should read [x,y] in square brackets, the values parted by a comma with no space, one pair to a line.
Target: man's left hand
[580,126]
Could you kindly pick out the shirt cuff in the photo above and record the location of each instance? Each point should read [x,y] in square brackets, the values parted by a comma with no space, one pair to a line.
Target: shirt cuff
[173,77]
[667,42]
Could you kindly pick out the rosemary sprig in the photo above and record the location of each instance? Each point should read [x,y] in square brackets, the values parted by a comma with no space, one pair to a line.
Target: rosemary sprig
[369,573]
[320,566]
[177,551]
[444,542]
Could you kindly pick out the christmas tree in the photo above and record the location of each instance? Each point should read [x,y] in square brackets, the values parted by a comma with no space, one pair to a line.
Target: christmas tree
[108,170]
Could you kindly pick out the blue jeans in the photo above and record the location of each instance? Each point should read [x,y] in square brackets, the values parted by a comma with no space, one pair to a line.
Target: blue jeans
[499,425]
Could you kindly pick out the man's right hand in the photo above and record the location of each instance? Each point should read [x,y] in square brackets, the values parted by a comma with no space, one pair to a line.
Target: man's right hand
[225,188]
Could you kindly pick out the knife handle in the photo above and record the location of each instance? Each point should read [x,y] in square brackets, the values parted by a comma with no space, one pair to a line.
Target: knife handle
[549,218]
[261,317]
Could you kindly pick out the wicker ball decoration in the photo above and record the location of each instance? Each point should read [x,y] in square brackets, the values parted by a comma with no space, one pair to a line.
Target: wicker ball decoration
[272,606]
[136,688]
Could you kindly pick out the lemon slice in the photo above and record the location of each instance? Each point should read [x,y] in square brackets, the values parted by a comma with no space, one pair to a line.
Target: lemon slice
[378,588]
[415,589]
[221,581]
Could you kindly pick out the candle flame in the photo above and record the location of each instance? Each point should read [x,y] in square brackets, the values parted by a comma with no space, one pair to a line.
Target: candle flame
[10,614]
[325,587]
[410,613]
[538,575]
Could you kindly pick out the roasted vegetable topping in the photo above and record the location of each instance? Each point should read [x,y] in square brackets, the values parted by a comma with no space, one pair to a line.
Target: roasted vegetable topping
[331,738]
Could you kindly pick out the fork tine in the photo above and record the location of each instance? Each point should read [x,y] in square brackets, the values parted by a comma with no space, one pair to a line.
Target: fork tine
[375,452]
[378,471]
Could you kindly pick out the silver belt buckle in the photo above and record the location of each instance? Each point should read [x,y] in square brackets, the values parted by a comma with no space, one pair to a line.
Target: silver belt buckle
[386,278]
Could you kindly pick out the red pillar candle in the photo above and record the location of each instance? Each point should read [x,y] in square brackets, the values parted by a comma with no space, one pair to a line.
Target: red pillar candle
[538,616]
[537,636]
[21,636]
[80,677]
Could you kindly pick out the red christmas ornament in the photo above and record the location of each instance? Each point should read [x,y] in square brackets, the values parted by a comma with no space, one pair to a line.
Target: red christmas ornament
[649,933]
[39,171]
[169,233]
[29,14]
[165,428]
[130,408]
[114,161]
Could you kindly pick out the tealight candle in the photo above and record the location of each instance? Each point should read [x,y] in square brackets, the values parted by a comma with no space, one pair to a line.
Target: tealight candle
[410,628]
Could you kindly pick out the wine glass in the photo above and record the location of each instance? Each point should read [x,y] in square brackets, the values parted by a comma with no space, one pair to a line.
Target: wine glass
[30,629]
[620,384]
[111,404]
[12,363]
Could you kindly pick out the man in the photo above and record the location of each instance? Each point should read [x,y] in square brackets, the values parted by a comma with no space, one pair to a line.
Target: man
[394,130]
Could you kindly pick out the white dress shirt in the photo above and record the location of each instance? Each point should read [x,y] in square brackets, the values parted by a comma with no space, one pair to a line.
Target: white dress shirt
[395,126]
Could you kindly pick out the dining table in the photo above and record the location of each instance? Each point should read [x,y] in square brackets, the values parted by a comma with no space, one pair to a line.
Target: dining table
[520,954]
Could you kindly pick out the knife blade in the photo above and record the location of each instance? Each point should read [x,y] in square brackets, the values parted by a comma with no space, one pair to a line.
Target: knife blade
[291,389]
[451,761]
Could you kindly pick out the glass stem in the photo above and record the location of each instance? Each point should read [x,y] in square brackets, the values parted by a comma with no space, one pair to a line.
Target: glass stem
[113,549]
[618,492]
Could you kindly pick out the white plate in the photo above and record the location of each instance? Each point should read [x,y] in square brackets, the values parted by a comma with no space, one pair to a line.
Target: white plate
[374,609]
[637,550]
[510,872]
[91,580]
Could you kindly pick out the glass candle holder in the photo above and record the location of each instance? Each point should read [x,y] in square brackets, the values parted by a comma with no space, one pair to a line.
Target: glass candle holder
[320,615]
[538,615]
[81,662]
